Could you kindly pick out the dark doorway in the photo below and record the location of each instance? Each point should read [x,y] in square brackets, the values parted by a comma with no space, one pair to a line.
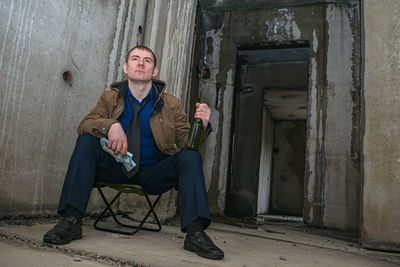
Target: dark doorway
[269,138]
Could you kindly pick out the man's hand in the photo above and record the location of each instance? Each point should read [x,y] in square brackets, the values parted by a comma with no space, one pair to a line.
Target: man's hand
[117,139]
[203,112]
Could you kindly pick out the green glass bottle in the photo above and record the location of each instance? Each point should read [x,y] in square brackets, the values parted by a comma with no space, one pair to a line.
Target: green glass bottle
[196,133]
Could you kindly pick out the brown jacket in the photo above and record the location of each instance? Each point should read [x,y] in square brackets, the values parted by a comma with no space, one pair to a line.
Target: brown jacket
[168,122]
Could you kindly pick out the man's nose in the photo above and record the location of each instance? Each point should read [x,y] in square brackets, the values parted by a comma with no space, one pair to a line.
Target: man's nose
[141,61]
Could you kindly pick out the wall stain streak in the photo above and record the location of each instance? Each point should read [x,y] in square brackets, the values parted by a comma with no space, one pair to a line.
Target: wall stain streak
[10,155]
[114,58]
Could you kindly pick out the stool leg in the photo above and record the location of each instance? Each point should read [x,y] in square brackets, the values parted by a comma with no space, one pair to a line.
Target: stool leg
[151,210]
[108,207]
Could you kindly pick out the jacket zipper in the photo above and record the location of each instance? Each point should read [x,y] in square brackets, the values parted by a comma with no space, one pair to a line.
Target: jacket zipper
[115,114]
[121,108]
[155,104]
[159,97]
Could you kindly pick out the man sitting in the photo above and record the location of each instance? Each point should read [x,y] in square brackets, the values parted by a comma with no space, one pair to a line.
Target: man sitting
[137,115]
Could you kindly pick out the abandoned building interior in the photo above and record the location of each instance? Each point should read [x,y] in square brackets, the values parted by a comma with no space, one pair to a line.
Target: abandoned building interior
[304,97]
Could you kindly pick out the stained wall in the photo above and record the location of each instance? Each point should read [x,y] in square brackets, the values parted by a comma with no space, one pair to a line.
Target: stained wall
[39,41]
[381,154]
[332,32]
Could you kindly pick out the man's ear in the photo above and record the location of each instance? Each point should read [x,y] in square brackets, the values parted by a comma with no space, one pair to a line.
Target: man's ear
[155,71]
[124,68]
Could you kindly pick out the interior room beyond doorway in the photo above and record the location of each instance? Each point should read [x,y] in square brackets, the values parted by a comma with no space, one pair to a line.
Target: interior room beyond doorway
[270,132]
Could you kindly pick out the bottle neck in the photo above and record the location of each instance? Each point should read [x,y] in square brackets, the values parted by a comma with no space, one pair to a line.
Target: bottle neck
[198,120]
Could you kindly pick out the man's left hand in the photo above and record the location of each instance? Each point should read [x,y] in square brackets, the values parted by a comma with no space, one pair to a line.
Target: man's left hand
[203,112]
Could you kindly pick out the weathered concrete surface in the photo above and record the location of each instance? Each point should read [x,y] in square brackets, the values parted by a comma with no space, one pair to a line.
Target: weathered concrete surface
[169,32]
[265,246]
[341,122]
[226,5]
[332,148]
[22,255]
[381,183]
[39,111]
[128,32]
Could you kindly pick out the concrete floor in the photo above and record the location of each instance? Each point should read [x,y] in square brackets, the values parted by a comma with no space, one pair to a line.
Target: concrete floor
[265,245]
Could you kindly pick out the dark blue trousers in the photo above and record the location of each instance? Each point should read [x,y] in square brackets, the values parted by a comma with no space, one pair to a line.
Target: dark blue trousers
[183,170]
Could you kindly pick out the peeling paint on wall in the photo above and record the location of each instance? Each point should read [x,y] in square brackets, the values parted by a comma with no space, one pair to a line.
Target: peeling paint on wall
[282,27]
[225,149]
[312,139]
[342,179]
[207,92]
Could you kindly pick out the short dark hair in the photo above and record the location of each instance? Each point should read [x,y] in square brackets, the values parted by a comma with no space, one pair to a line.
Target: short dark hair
[141,47]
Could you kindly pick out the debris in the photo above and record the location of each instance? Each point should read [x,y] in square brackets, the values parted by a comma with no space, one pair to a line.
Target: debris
[282,258]
[77,259]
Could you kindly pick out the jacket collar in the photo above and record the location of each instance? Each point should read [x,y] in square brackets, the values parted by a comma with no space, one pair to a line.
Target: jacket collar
[158,90]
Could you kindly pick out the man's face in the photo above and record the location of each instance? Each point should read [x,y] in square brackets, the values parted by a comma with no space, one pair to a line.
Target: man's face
[140,66]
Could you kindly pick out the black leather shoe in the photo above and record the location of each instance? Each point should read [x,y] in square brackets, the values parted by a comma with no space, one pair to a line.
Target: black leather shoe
[66,230]
[200,243]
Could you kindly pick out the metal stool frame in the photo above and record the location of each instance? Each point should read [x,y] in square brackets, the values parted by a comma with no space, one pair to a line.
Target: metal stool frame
[126,188]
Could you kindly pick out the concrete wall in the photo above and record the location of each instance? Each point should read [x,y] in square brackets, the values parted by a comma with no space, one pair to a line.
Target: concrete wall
[332,31]
[341,118]
[381,183]
[40,112]
[170,32]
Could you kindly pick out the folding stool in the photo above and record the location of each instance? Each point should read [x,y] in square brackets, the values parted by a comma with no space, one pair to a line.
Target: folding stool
[126,188]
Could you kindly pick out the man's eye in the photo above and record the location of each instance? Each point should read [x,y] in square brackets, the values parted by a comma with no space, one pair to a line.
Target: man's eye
[135,58]
[148,61]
